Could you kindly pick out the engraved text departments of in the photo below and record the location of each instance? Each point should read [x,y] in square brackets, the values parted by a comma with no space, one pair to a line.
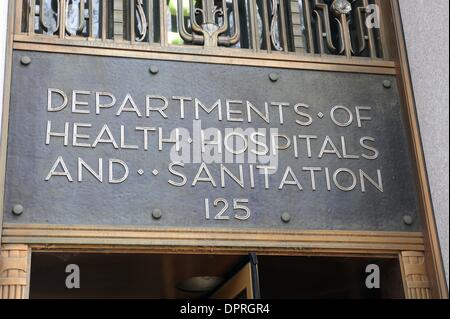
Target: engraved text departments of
[243,153]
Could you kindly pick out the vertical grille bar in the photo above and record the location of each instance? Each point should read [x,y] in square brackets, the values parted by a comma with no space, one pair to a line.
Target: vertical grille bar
[283,26]
[308,25]
[266,26]
[151,22]
[163,22]
[104,11]
[132,21]
[31,16]
[254,32]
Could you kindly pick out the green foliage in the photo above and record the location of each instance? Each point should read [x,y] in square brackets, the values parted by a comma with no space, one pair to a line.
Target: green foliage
[173,7]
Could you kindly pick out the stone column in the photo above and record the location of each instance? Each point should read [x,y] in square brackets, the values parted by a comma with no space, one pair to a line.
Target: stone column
[415,278]
[14,271]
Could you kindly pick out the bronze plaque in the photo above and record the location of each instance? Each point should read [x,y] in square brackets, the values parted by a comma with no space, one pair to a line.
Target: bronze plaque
[103,141]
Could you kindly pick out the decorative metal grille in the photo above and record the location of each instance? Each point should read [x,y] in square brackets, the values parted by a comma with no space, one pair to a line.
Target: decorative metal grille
[324,27]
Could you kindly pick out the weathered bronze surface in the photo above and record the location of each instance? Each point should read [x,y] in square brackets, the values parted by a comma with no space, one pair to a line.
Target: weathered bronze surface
[58,201]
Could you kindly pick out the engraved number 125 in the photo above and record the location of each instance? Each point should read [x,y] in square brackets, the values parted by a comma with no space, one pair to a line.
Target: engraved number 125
[241,211]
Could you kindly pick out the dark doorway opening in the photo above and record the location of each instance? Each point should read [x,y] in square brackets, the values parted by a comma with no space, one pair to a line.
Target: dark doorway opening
[181,276]
[327,278]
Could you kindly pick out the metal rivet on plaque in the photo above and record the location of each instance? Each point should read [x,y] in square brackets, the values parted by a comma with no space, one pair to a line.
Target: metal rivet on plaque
[274,76]
[25,60]
[154,70]
[286,217]
[157,213]
[408,220]
[17,210]
[387,84]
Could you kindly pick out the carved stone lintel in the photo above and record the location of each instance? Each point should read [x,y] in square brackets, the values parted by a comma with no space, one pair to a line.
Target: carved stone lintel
[417,284]
[14,271]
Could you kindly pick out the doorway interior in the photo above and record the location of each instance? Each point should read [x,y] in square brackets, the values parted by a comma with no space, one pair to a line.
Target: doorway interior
[184,276]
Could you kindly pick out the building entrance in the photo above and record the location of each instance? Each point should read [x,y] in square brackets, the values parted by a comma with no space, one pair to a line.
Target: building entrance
[182,276]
